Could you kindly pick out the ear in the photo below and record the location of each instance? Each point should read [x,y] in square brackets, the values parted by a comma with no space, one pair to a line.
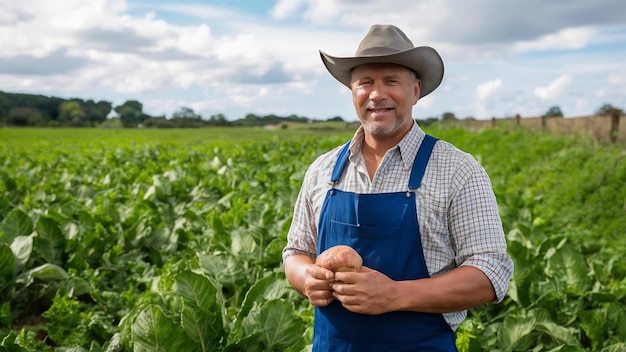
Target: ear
[417,89]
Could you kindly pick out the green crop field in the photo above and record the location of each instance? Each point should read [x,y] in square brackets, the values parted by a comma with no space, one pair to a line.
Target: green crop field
[170,240]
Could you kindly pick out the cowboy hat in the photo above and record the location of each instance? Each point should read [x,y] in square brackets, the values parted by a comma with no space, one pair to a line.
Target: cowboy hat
[388,44]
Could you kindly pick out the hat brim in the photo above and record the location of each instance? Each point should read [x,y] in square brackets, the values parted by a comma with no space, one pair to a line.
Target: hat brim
[423,59]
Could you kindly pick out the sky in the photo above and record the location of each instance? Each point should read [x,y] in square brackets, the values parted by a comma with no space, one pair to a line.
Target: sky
[239,57]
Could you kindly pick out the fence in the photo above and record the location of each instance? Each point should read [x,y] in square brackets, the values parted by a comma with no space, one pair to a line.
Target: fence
[604,128]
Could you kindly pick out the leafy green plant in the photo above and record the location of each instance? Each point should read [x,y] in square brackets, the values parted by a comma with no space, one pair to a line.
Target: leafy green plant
[163,240]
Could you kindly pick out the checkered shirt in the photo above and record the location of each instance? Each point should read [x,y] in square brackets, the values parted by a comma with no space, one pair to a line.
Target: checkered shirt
[457,211]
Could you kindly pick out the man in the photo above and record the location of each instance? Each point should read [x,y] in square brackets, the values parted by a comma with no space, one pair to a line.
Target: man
[420,212]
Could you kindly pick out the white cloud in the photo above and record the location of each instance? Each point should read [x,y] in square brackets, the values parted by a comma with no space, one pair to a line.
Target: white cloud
[484,92]
[568,38]
[323,11]
[555,89]
[425,102]
[617,78]
[192,10]
[244,49]
[285,8]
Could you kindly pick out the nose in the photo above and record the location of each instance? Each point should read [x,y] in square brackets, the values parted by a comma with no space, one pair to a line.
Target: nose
[378,92]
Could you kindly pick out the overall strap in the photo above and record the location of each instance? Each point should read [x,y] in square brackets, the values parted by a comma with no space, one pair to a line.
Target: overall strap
[341,162]
[421,160]
[419,165]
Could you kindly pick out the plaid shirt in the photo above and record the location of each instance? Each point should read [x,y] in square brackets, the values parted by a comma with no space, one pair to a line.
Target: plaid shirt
[456,207]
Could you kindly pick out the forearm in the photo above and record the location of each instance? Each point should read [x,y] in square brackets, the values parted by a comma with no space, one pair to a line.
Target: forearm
[295,271]
[462,288]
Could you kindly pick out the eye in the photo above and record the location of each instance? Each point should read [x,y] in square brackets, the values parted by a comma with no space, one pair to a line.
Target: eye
[364,83]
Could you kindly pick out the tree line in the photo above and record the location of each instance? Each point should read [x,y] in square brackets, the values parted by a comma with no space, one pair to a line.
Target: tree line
[30,110]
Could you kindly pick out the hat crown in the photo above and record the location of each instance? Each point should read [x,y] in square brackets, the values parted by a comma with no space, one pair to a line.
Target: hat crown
[383,40]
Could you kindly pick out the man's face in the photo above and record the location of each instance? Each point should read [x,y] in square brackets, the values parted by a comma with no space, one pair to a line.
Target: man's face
[383,96]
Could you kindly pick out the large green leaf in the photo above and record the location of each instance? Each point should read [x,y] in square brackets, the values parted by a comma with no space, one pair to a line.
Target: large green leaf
[560,334]
[276,323]
[526,271]
[202,311]
[7,261]
[617,317]
[161,189]
[594,323]
[46,273]
[271,287]
[196,290]
[152,331]
[8,182]
[202,326]
[616,347]
[568,267]
[114,344]
[274,251]
[225,268]
[17,223]
[531,329]
[515,328]
[22,248]
[50,241]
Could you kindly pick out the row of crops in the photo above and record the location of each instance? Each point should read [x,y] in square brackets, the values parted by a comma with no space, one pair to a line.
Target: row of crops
[167,243]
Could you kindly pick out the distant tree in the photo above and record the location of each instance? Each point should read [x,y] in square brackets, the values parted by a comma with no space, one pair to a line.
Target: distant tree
[25,117]
[96,113]
[427,122]
[55,111]
[249,120]
[159,122]
[5,106]
[448,116]
[71,114]
[296,118]
[606,109]
[335,119]
[554,111]
[270,120]
[218,120]
[130,113]
[47,106]
[185,113]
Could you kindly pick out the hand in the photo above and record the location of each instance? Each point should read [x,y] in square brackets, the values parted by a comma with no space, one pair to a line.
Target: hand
[317,285]
[367,291]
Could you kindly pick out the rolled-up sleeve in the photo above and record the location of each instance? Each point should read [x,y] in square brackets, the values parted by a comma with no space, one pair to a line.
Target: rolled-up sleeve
[302,235]
[476,227]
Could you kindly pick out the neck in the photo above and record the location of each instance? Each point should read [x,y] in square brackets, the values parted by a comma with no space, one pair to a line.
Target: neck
[374,149]
[379,145]
[372,157]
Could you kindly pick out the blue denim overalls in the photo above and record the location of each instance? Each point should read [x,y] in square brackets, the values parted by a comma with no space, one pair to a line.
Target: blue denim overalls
[383,229]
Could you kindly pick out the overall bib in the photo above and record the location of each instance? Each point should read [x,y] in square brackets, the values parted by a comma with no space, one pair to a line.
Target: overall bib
[383,229]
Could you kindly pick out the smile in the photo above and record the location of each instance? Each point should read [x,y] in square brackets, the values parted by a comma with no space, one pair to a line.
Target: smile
[377,110]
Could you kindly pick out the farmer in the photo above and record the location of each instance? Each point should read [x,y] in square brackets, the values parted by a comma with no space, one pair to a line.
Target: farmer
[420,212]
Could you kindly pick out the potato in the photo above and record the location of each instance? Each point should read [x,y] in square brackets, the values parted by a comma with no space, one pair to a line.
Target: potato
[340,258]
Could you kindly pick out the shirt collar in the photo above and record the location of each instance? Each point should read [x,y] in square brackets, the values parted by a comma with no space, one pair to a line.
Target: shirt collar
[408,146]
